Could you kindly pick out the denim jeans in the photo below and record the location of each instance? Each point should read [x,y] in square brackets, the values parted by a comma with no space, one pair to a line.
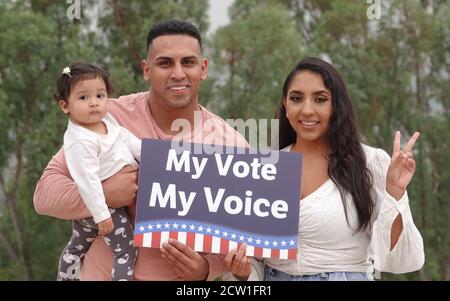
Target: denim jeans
[272,274]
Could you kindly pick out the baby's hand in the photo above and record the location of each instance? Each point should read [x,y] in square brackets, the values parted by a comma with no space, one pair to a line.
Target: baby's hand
[105,227]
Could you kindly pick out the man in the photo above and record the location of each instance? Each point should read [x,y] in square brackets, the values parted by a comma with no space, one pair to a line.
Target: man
[174,68]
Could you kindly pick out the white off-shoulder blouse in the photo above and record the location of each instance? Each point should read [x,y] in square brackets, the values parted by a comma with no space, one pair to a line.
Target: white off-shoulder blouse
[328,244]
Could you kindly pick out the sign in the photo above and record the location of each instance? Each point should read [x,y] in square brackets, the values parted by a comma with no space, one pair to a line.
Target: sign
[213,202]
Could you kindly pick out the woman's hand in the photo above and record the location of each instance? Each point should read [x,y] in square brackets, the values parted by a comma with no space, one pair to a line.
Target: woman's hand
[239,264]
[402,167]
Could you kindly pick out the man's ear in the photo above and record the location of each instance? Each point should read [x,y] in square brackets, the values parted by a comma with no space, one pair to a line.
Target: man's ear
[204,67]
[64,106]
[145,69]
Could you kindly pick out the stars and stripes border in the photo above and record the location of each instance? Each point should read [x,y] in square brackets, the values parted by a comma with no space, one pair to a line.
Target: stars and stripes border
[203,237]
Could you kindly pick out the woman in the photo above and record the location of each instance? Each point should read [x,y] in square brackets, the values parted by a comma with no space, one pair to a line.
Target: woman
[354,211]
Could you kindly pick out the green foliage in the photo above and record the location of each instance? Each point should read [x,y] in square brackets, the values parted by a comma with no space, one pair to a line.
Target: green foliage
[251,61]
[34,50]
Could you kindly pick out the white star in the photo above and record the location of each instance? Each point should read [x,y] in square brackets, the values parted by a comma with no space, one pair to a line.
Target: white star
[291,242]
[250,239]
[150,227]
[266,243]
[208,230]
[274,243]
[175,226]
[183,226]
[241,237]
[200,228]
[167,225]
[233,236]
[217,232]
[158,226]
[141,228]
[258,241]
[225,234]
[283,243]
[192,227]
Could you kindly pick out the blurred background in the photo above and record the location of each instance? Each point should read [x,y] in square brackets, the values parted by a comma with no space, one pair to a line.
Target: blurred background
[394,57]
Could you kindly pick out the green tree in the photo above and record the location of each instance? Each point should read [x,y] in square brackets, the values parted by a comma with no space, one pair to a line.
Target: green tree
[252,55]
[34,49]
[395,68]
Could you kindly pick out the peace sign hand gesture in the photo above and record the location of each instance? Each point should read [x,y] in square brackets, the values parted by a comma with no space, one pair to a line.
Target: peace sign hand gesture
[402,167]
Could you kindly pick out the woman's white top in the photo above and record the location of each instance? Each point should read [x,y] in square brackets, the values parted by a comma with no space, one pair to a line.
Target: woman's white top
[92,158]
[326,243]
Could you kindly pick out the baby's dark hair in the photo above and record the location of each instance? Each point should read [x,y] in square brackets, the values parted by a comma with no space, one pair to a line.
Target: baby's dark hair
[75,73]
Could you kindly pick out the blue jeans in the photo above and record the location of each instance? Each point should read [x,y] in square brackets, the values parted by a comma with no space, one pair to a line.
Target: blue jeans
[272,274]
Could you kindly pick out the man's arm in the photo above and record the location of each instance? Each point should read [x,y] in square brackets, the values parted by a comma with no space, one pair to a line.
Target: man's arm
[57,195]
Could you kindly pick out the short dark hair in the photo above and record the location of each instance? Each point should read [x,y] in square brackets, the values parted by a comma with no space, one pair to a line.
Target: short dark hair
[77,72]
[173,27]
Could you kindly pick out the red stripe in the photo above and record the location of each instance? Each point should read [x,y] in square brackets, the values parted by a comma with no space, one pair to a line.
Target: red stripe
[207,243]
[258,252]
[292,254]
[224,243]
[238,246]
[190,240]
[275,253]
[138,240]
[173,235]
[156,239]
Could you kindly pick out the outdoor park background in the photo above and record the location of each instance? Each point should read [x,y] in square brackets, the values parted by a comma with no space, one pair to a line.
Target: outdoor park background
[396,67]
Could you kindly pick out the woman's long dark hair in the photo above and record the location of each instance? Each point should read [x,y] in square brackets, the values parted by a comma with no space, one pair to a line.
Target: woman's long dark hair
[346,161]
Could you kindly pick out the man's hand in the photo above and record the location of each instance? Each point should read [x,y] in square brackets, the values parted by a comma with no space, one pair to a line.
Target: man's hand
[121,188]
[105,227]
[188,264]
